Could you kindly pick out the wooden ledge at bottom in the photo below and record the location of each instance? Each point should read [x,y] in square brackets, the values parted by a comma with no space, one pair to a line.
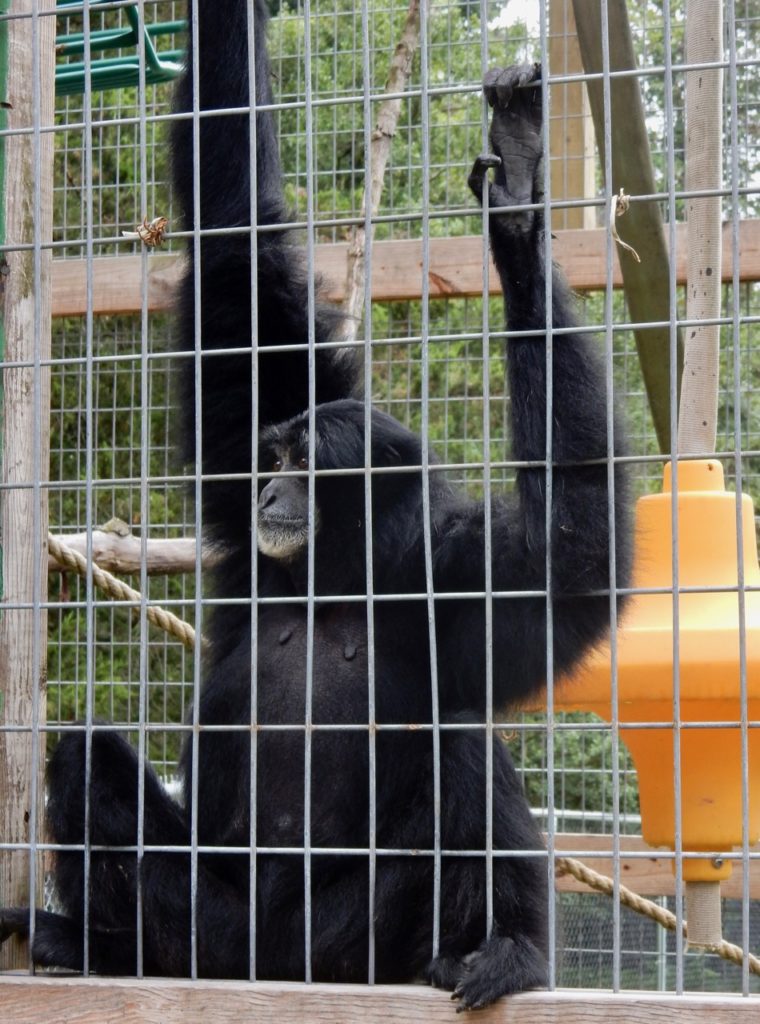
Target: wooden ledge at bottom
[68,1000]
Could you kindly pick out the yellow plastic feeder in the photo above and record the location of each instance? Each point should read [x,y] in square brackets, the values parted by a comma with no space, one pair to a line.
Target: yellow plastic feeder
[709,680]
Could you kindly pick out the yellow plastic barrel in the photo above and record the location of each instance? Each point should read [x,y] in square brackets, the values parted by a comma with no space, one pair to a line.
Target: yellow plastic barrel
[707,647]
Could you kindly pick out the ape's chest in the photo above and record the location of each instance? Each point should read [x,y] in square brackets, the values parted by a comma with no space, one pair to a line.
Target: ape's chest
[327,658]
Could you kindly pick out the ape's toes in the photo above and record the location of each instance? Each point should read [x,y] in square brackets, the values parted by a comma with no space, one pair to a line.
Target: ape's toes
[475,986]
[501,966]
[467,1000]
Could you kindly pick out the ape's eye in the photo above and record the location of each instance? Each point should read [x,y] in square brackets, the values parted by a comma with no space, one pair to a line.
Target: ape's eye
[303,463]
[277,465]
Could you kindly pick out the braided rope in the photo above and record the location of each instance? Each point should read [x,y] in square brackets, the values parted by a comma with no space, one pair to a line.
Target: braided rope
[119,590]
[601,883]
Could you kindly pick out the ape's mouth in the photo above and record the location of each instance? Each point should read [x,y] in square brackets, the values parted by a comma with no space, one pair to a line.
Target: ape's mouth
[283,522]
[283,536]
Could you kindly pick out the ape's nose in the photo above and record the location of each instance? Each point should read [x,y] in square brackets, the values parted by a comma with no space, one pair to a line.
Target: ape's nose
[268,496]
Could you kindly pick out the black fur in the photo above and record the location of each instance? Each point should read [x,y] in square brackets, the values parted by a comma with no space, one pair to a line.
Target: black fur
[477,967]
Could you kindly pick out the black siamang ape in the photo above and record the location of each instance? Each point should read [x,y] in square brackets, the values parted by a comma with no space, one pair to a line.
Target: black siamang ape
[285,664]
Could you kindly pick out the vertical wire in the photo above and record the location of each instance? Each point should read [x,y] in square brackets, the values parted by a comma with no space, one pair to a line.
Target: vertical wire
[487,516]
[310,302]
[198,485]
[425,471]
[608,338]
[37,534]
[371,707]
[549,477]
[738,469]
[671,185]
[254,252]
[89,448]
[145,434]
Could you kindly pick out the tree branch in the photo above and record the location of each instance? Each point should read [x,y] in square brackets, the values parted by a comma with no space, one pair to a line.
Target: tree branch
[380,148]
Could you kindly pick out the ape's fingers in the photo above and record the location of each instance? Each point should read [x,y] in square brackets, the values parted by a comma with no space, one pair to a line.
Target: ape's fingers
[480,169]
[499,84]
[491,84]
[530,74]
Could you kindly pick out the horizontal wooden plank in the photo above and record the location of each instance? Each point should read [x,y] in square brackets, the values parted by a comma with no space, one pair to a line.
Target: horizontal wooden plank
[455,269]
[117,284]
[25,1000]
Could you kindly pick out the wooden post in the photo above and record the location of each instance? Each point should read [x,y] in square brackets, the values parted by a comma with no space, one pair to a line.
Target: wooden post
[26,165]
[646,284]
[571,130]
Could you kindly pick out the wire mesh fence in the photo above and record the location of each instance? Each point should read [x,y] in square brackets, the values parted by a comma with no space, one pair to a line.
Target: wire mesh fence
[114,412]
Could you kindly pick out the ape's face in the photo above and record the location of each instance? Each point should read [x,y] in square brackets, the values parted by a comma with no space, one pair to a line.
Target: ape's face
[338,455]
[283,509]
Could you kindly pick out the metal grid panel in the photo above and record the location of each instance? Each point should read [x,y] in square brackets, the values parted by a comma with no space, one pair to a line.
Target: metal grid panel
[128,181]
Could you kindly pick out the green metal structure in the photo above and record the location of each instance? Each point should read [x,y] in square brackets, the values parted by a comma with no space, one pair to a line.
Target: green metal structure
[121,68]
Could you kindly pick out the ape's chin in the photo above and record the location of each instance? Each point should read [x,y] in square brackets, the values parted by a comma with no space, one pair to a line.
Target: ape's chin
[282,539]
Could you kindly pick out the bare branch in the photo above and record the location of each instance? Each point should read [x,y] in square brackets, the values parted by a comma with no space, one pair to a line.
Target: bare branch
[380,148]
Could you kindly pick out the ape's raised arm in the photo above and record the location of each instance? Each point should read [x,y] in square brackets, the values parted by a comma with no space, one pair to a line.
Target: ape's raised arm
[580,513]
[228,286]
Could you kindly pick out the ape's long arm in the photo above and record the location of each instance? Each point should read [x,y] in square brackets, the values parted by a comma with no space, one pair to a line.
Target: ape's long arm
[228,287]
[580,513]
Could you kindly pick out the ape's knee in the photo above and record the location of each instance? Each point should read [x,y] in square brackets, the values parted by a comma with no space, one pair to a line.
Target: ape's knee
[65,782]
[109,763]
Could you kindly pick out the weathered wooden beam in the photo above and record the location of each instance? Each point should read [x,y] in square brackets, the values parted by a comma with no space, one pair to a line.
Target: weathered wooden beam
[117,285]
[455,270]
[26,1000]
[124,554]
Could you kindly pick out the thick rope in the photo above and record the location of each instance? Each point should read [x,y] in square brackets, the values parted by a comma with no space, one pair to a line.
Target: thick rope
[663,917]
[118,590]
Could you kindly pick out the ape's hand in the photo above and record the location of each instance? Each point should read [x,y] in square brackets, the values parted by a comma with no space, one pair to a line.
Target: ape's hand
[514,94]
[506,89]
[517,116]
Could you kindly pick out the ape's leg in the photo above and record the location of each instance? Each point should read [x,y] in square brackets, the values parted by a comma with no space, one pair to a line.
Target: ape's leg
[113,819]
[476,969]
[58,942]
[221,910]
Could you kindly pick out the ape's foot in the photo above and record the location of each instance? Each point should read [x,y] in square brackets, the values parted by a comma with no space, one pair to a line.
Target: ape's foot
[13,921]
[500,967]
[514,94]
[57,940]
